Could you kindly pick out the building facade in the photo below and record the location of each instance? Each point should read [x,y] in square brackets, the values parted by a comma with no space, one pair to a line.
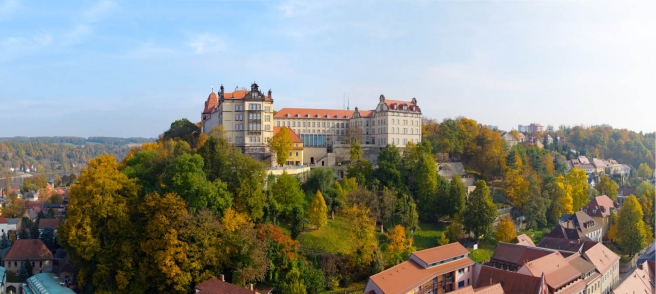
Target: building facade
[248,119]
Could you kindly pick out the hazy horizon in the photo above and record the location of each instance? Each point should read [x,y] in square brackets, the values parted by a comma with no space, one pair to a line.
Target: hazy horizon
[124,69]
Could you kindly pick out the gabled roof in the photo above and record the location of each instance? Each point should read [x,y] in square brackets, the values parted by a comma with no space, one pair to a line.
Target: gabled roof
[556,269]
[295,137]
[579,263]
[582,222]
[517,254]
[512,283]
[563,232]
[566,244]
[3,220]
[408,275]
[638,282]
[602,257]
[32,249]
[440,253]
[52,223]
[600,206]
[211,103]
[523,239]
[215,286]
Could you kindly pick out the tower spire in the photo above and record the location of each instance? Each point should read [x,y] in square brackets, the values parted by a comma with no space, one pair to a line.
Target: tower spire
[348,106]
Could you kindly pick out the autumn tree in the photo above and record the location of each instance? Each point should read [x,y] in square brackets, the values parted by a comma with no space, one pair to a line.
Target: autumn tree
[356,152]
[607,187]
[282,250]
[578,181]
[164,253]
[246,254]
[99,234]
[644,188]
[442,239]
[397,243]
[318,212]
[13,207]
[505,230]
[455,230]
[480,211]
[287,192]
[644,171]
[647,205]
[362,234]
[282,144]
[565,201]
[293,283]
[630,227]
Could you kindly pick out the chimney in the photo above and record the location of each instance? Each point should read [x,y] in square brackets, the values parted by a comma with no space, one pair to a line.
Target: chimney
[222,277]
[250,286]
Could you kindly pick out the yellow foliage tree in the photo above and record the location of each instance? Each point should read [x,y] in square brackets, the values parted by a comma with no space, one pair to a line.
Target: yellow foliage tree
[505,230]
[397,244]
[566,201]
[233,220]
[318,211]
[578,181]
[281,144]
[362,233]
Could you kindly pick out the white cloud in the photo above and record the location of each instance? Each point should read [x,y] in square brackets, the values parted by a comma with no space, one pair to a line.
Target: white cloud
[6,7]
[149,50]
[77,34]
[206,43]
[99,11]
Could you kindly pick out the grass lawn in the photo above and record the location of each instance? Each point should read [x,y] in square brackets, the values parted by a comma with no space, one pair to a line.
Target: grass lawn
[357,287]
[483,253]
[426,236]
[332,238]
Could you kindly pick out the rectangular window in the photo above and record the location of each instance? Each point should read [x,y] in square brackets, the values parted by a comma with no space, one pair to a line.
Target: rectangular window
[313,124]
[267,109]
[277,123]
[296,153]
[461,271]
[323,124]
[461,284]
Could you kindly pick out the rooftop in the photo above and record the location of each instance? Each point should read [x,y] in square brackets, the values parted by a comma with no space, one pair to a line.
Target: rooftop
[314,113]
[215,286]
[32,249]
[441,253]
[409,275]
[512,283]
[46,283]
[523,239]
[517,254]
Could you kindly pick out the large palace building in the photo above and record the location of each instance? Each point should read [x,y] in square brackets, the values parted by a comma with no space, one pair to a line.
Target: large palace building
[248,119]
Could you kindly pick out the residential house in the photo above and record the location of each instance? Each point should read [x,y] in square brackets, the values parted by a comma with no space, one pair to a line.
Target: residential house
[599,209]
[215,286]
[52,223]
[560,275]
[600,165]
[45,283]
[607,264]
[583,223]
[623,193]
[13,224]
[28,249]
[491,289]
[440,269]
[510,139]
[570,245]
[32,196]
[511,282]
[624,170]
[566,233]
[640,281]
[4,226]
[296,155]
[524,240]
[511,257]
[591,277]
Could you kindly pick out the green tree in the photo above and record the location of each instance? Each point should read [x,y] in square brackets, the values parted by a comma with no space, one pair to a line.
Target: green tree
[99,234]
[4,242]
[29,268]
[287,193]
[425,174]
[607,187]
[293,283]
[442,239]
[321,179]
[356,152]
[643,188]
[13,207]
[318,212]
[647,205]
[537,206]
[390,167]
[455,203]
[313,278]
[282,144]
[34,231]
[455,230]
[505,230]
[182,129]
[480,211]
[361,171]
[644,171]
[297,222]
[630,227]
[23,234]
[48,238]
[22,272]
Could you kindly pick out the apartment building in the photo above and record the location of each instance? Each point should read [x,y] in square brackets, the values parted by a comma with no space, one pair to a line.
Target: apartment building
[436,270]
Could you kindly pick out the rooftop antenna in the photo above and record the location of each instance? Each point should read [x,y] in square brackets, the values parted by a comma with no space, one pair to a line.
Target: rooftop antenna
[212,89]
[348,106]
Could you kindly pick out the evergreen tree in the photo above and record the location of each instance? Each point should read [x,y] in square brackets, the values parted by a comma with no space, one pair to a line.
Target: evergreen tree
[34,231]
[480,211]
[630,227]
[293,283]
[297,222]
[22,273]
[23,234]
[48,237]
[29,268]
[4,242]
[456,199]
[425,174]
[318,212]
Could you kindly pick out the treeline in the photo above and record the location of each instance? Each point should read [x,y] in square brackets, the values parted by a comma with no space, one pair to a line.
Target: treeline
[605,142]
[78,140]
[53,158]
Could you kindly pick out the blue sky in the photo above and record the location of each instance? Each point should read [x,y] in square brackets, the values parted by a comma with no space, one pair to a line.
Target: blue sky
[121,68]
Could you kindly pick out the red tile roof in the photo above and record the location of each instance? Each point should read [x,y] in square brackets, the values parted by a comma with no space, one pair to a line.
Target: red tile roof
[444,252]
[602,257]
[32,249]
[313,113]
[600,206]
[211,103]
[3,220]
[52,223]
[523,239]
[638,282]
[295,137]
[511,282]
[517,254]
[409,275]
[556,269]
[215,286]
